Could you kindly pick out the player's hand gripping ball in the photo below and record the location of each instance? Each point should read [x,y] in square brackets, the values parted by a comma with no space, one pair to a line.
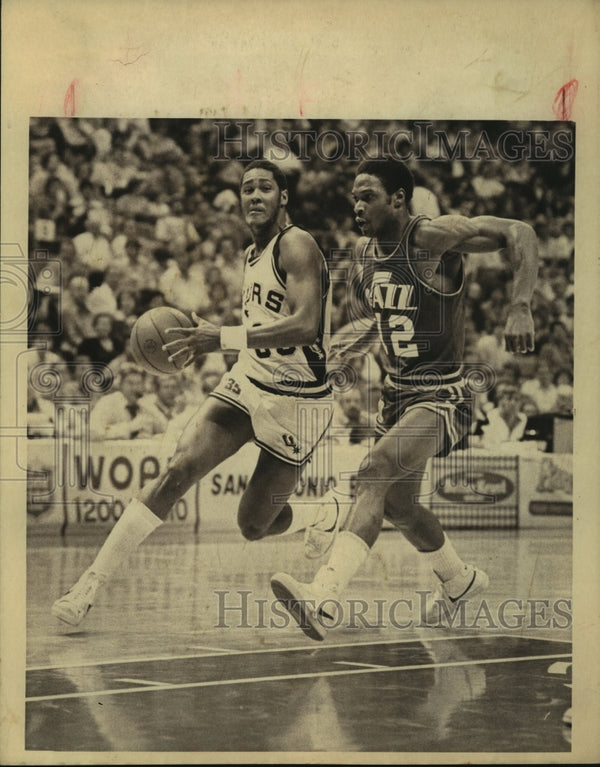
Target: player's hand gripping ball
[148,336]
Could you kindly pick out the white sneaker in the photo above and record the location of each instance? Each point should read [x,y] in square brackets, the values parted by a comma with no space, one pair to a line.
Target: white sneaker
[303,602]
[318,539]
[452,593]
[75,604]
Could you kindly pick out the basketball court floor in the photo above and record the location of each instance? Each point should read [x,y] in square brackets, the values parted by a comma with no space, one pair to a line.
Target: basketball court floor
[186,651]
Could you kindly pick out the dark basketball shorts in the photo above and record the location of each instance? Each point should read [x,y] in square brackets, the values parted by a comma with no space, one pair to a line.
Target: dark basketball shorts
[451,402]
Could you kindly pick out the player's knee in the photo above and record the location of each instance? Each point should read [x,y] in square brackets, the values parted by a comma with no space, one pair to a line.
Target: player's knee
[381,469]
[251,532]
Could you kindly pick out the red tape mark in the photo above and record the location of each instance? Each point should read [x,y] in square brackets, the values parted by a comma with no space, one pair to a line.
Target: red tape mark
[69,102]
[564,99]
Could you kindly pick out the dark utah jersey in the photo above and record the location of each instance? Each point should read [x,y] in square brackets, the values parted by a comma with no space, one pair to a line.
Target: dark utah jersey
[421,329]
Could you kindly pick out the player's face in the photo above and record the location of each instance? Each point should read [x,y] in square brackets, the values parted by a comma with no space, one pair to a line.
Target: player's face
[261,199]
[373,210]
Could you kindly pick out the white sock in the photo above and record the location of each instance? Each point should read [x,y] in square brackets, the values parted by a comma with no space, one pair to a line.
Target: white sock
[135,524]
[445,562]
[347,555]
[306,514]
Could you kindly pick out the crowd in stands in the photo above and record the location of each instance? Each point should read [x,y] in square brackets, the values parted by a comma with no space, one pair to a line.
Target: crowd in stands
[128,214]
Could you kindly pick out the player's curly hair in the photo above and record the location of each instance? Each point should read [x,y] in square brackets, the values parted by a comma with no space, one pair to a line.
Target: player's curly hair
[393,174]
[278,174]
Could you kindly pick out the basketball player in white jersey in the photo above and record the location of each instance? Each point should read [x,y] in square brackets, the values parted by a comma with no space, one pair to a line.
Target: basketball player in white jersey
[281,369]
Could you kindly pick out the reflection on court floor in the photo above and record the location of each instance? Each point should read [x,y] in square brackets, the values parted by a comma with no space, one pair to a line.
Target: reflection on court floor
[153,668]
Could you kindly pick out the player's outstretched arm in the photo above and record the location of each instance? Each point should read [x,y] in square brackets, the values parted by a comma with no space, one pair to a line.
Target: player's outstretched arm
[487,233]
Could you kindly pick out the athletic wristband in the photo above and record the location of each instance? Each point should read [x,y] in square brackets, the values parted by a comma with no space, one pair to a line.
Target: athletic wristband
[234,337]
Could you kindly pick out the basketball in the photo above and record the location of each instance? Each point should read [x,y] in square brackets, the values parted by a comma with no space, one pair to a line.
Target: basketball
[148,335]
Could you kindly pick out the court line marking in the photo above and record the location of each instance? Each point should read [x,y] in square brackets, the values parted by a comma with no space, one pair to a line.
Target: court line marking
[143,681]
[295,648]
[287,677]
[537,639]
[213,650]
[364,665]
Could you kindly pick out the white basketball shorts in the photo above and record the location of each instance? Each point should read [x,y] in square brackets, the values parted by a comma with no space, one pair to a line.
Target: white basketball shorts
[288,427]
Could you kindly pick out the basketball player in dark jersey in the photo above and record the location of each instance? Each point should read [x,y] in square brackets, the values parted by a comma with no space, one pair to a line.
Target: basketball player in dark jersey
[411,279]
[286,305]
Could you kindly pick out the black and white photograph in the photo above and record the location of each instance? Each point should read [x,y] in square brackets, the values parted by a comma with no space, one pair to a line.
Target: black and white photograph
[293,408]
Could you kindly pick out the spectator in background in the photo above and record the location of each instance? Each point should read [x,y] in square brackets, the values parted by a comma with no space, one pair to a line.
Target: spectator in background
[162,402]
[119,415]
[541,389]
[542,231]
[351,422]
[118,245]
[40,414]
[494,307]
[51,214]
[126,314]
[506,422]
[51,166]
[510,372]
[103,346]
[220,312]
[424,202]
[563,376]
[68,258]
[149,299]
[367,371]
[490,347]
[176,227]
[567,317]
[124,359]
[92,247]
[113,172]
[202,376]
[564,400]
[77,318]
[101,298]
[473,308]
[230,261]
[556,347]
[88,204]
[137,268]
[40,343]
[561,243]
[183,283]
[561,291]
[486,182]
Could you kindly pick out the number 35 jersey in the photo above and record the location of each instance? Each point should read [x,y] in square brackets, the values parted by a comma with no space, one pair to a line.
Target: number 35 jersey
[294,370]
[421,328]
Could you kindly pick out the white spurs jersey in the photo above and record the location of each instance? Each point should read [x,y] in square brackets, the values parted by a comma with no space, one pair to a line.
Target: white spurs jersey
[296,370]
